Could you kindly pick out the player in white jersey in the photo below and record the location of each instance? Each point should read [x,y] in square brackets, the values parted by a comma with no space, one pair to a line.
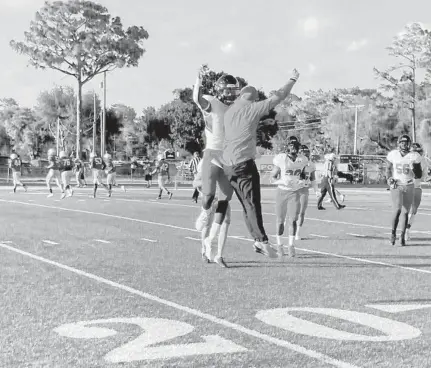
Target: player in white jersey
[417,196]
[288,173]
[403,168]
[207,249]
[304,192]
[213,109]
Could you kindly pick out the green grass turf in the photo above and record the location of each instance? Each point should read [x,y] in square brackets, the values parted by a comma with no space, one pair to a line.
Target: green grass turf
[37,297]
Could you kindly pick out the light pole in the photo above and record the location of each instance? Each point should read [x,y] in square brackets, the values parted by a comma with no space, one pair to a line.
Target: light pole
[355,142]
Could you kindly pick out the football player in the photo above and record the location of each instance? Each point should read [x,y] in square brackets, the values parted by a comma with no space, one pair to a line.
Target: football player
[207,249]
[15,166]
[403,168]
[417,197]
[97,166]
[287,172]
[79,173]
[53,171]
[111,174]
[327,184]
[308,181]
[213,108]
[162,168]
[66,167]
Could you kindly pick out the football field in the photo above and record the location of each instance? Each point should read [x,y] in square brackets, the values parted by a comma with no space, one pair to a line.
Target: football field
[119,282]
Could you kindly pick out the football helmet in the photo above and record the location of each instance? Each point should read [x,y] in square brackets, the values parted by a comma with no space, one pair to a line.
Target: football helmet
[51,152]
[62,154]
[13,156]
[292,138]
[293,148]
[416,147]
[227,89]
[404,143]
[304,150]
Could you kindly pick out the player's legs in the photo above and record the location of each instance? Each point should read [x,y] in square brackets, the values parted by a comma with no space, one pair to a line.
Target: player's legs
[281,200]
[48,179]
[333,196]
[304,195]
[397,202]
[324,187]
[222,238]
[407,200]
[161,180]
[293,209]
[417,199]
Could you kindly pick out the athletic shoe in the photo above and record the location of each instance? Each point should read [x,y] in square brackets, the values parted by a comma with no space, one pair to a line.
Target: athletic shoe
[220,261]
[265,249]
[291,251]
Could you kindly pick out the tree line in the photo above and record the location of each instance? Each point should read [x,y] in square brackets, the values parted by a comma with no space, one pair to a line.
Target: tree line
[80,38]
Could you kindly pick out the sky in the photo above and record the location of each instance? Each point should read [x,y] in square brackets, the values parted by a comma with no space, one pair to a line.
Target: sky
[333,43]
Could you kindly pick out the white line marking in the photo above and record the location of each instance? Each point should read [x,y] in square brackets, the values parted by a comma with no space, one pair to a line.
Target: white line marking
[319,236]
[81,200]
[30,200]
[238,237]
[149,240]
[358,235]
[193,230]
[7,241]
[398,308]
[365,260]
[189,237]
[102,241]
[49,242]
[273,340]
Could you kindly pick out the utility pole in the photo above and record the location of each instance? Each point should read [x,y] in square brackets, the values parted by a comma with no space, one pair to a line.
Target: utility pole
[355,142]
[58,135]
[103,124]
[94,122]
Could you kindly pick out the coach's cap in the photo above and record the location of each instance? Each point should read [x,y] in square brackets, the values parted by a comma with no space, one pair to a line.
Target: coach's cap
[249,93]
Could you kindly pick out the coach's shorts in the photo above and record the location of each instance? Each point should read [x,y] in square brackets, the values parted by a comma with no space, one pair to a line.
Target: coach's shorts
[148,177]
[213,174]
[287,203]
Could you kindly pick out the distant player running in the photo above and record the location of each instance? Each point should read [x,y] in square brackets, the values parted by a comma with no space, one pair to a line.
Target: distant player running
[111,174]
[327,183]
[66,166]
[53,171]
[162,168]
[207,249]
[287,173]
[304,193]
[97,166]
[403,168]
[15,165]
[417,197]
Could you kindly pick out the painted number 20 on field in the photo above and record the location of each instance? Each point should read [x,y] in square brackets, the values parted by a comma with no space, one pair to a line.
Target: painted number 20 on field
[158,330]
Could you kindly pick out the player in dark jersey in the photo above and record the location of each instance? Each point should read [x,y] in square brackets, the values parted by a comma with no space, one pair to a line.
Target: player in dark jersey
[53,171]
[97,166]
[79,173]
[15,166]
[66,166]
[111,173]
[162,168]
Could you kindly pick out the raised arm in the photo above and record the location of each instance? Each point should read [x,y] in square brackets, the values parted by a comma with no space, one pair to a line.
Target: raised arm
[198,96]
[284,91]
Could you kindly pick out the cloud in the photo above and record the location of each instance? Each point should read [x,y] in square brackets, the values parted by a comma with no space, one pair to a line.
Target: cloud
[227,47]
[310,26]
[184,44]
[356,45]
[311,68]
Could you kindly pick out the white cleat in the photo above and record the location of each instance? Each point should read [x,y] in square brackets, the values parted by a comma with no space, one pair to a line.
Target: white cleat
[202,220]
[291,251]
[220,261]
[70,193]
[298,237]
[50,195]
[63,195]
[123,188]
